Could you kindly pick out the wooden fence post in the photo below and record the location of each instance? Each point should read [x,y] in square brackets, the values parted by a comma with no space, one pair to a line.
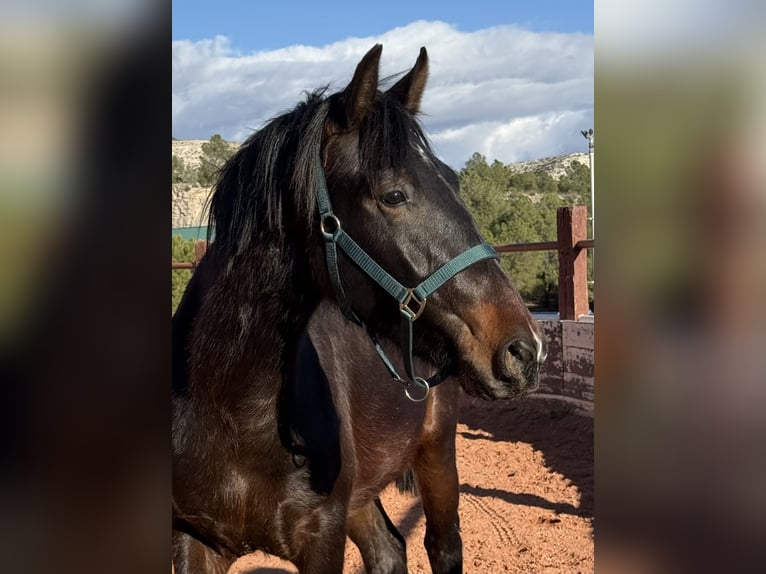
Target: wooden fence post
[572,226]
[200,246]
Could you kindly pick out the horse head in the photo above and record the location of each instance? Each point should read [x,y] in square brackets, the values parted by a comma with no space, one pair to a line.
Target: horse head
[402,207]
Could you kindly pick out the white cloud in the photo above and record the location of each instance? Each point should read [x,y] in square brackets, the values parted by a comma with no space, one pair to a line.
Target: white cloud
[505,92]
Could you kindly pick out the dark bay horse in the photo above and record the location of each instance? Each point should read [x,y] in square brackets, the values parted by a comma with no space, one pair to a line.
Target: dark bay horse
[289,412]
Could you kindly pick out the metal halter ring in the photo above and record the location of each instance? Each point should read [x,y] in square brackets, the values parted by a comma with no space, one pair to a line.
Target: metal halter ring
[419,382]
[335,225]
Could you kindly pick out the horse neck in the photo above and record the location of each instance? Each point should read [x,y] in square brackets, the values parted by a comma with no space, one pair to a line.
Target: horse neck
[258,305]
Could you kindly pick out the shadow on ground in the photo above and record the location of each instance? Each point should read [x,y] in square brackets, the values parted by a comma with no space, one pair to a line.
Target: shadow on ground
[555,428]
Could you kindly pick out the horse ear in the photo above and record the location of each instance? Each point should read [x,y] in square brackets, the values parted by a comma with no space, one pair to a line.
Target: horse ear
[409,89]
[359,95]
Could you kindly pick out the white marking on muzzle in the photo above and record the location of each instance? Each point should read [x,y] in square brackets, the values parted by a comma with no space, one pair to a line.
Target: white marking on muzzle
[538,342]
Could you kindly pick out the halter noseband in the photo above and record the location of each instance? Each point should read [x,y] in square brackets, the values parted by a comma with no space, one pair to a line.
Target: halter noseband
[412,301]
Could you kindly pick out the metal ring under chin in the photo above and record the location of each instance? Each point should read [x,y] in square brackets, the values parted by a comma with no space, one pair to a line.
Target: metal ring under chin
[419,382]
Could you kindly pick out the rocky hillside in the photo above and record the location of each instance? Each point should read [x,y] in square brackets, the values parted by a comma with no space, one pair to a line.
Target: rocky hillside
[189,202]
[189,205]
[555,166]
[188,150]
[191,150]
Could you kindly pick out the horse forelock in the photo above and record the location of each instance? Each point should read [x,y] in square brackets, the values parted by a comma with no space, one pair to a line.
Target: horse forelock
[390,139]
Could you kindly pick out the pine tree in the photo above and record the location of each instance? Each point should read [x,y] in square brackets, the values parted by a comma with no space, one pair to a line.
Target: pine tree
[521,208]
[215,154]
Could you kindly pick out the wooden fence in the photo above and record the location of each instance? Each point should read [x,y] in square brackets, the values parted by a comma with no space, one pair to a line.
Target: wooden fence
[568,372]
[571,242]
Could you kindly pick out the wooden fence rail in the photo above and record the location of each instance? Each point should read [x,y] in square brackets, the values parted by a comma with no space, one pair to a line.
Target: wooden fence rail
[571,242]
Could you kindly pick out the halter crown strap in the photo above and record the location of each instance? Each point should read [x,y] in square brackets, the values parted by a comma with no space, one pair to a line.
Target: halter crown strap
[412,301]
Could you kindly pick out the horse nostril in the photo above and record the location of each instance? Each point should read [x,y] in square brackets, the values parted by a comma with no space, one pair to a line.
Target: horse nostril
[523,351]
[519,359]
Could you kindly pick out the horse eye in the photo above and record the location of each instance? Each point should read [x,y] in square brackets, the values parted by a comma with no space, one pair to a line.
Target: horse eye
[393,198]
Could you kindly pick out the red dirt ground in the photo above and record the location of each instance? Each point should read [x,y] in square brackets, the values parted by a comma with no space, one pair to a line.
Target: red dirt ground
[526,494]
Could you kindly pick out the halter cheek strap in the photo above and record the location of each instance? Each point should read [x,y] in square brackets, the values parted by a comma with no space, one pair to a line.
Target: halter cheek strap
[412,301]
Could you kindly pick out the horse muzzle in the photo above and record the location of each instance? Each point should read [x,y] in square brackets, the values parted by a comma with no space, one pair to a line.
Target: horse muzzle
[517,364]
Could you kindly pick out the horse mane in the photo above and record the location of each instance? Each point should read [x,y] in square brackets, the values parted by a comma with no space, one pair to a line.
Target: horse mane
[272,176]
[250,191]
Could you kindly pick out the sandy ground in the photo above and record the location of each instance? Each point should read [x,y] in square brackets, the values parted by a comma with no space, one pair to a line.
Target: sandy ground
[526,494]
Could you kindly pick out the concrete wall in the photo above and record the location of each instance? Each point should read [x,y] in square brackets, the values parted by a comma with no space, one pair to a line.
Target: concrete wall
[568,371]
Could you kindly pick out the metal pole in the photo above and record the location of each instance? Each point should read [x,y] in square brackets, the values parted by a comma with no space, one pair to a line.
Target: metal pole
[588,135]
[591,148]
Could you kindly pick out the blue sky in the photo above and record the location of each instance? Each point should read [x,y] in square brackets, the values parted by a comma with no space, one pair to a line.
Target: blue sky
[269,24]
[508,79]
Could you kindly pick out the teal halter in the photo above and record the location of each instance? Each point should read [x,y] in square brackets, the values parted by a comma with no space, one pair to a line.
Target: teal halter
[412,301]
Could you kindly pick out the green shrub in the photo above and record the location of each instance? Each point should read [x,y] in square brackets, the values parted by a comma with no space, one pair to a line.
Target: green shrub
[183,250]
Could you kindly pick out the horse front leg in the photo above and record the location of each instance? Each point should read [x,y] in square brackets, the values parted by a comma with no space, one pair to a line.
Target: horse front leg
[380,544]
[319,540]
[436,475]
[190,556]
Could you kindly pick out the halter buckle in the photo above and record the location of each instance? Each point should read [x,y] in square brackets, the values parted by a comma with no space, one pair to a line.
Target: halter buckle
[405,307]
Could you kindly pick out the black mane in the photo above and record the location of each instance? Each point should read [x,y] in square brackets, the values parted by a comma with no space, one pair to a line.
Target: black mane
[252,201]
